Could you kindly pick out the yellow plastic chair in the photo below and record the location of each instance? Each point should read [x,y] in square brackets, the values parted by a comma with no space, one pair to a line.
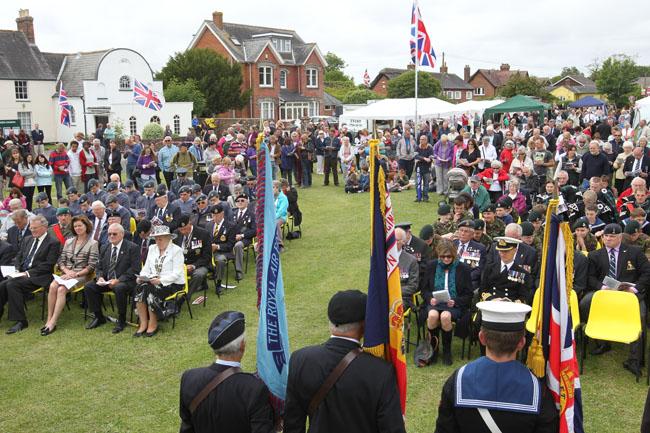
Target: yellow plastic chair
[613,316]
[531,323]
[180,295]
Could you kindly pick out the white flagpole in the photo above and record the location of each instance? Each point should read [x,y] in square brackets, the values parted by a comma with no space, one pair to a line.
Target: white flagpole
[416,12]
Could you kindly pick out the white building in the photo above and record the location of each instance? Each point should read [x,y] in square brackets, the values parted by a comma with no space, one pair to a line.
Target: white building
[99,86]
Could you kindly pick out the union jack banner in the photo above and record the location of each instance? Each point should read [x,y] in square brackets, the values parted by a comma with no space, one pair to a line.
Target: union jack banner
[555,325]
[366,79]
[421,49]
[146,97]
[65,107]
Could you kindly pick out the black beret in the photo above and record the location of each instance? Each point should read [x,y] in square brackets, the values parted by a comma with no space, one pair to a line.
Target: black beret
[347,306]
[612,229]
[72,190]
[632,227]
[500,205]
[467,223]
[111,199]
[225,328]
[242,195]
[196,188]
[202,197]
[112,186]
[83,199]
[534,217]
[93,182]
[581,223]
[426,232]
[160,193]
[112,213]
[217,208]
[444,209]
[41,196]
[506,202]
[162,187]
[183,220]
[213,193]
[129,183]
[479,224]
[527,228]
[150,184]
[185,188]
[490,208]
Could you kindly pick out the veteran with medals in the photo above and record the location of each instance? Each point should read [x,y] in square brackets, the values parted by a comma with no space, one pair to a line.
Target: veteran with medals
[164,213]
[505,279]
[223,241]
[496,393]
[197,251]
[222,398]
[469,251]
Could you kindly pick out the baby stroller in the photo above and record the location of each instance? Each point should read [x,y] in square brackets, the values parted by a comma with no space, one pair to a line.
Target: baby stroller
[457,179]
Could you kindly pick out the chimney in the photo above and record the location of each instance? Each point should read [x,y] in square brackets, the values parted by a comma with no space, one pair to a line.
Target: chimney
[504,67]
[25,24]
[443,66]
[466,75]
[217,19]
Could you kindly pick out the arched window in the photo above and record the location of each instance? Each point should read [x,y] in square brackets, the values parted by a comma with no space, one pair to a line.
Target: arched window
[73,115]
[177,124]
[283,79]
[125,83]
[155,119]
[133,125]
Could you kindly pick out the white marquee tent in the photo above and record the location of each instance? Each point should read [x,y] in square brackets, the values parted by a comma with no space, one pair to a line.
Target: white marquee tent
[642,108]
[476,107]
[401,109]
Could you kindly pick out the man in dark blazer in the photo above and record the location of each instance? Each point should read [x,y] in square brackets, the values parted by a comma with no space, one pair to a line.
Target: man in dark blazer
[34,266]
[147,200]
[246,230]
[363,399]
[240,403]
[416,246]
[470,252]
[201,216]
[526,256]
[503,277]
[197,251]
[409,269]
[223,241]
[19,231]
[119,263]
[165,212]
[622,263]
[636,165]
[216,185]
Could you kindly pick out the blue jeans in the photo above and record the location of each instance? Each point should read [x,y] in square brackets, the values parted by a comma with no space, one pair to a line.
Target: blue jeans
[129,171]
[306,172]
[274,170]
[426,178]
[65,178]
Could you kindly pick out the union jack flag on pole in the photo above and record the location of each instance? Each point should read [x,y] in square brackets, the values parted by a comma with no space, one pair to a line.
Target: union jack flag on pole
[366,79]
[65,107]
[146,97]
[554,342]
[422,52]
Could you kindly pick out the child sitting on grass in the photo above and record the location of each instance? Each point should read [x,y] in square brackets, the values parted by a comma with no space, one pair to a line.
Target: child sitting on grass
[352,181]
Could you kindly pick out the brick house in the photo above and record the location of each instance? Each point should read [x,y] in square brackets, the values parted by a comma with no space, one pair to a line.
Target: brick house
[453,87]
[284,73]
[487,82]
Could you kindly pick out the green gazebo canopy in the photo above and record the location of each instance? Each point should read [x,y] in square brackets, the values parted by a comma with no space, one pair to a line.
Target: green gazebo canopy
[518,103]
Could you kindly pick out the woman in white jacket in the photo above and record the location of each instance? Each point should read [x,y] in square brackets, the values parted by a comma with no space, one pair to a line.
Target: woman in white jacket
[346,154]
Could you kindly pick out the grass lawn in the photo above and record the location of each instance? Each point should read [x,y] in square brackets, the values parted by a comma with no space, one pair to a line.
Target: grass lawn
[92,381]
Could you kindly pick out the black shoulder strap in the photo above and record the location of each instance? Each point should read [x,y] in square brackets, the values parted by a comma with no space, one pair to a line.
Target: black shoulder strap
[211,386]
[331,380]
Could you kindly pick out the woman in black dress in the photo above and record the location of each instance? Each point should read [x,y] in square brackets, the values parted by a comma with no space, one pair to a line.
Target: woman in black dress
[469,158]
[446,273]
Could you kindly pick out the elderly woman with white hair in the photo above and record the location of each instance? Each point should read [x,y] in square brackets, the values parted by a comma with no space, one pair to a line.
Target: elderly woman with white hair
[520,160]
[493,179]
[347,154]
[162,275]
[619,163]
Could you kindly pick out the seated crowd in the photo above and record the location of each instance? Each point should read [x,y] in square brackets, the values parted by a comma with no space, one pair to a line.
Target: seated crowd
[487,241]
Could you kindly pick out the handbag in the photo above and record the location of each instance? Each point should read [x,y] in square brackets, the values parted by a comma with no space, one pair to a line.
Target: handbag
[18,180]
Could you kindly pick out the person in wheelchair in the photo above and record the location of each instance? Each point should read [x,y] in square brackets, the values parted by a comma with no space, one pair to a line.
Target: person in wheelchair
[447,290]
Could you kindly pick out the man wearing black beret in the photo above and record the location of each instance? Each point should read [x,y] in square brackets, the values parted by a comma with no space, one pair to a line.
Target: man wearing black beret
[221,398]
[164,212]
[223,241]
[246,229]
[197,251]
[622,263]
[364,398]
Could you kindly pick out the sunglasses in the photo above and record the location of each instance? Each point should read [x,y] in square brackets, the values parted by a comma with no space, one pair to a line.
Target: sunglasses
[446,257]
[241,200]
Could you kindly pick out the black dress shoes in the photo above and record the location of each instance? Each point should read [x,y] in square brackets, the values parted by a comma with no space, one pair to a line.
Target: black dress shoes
[96,322]
[601,348]
[239,275]
[152,333]
[119,327]
[19,326]
[45,331]
[138,334]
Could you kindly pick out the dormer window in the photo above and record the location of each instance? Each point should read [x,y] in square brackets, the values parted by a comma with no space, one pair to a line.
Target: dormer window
[235,41]
[282,45]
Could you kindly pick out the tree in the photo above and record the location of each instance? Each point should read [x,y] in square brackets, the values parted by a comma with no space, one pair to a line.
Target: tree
[334,62]
[615,78]
[219,81]
[520,84]
[403,86]
[186,91]
[360,96]
[152,131]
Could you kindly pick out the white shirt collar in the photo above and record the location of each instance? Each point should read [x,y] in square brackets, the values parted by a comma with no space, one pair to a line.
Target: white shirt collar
[509,265]
[346,338]
[228,363]
[119,246]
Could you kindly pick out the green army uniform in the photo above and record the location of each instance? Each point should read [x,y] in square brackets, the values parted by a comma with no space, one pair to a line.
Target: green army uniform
[496,228]
[485,240]
[466,216]
[442,228]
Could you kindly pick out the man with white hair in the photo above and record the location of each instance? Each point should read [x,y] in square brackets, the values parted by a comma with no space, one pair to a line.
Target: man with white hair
[34,263]
[594,163]
[165,156]
[488,153]
[409,269]
[638,183]
[636,165]
[100,152]
[526,256]
[14,205]
[100,222]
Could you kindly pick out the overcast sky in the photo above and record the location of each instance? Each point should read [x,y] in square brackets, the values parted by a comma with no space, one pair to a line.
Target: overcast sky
[540,37]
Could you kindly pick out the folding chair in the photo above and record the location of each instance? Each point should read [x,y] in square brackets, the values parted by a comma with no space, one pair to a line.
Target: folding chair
[180,295]
[413,311]
[613,316]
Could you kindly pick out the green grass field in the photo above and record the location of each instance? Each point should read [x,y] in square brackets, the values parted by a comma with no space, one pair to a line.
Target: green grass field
[92,381]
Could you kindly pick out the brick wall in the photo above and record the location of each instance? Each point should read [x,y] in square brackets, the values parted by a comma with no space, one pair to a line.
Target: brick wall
[480,81]
[381,88]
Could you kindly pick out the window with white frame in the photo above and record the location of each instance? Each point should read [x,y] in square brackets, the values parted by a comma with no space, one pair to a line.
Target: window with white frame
[177,124]
[155,119]
[282,45]
[73,116]
[457,94]
[21,90]
[266,76]
[449,94]
[468,95]
[267,109]
[479,91]
[25,119]
[313,108]
[125,83]
[312,77]
[283,79]
[133,125]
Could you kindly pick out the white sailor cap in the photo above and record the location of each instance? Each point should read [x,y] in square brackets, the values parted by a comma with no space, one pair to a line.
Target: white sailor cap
[503,315]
